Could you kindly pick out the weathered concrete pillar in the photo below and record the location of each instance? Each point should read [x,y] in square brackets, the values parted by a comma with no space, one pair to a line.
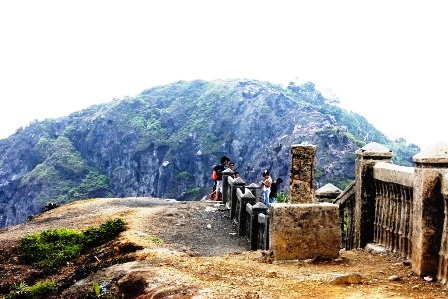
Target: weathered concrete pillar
[364,213]
[254,211]
[442,275]
[242,216]
[225,185]
[238,183]
[303,163]
[263,222]
[255,190]
[428,207]
[327,193]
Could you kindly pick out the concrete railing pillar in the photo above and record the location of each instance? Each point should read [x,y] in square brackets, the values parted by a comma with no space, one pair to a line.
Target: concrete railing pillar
[238,183]
[303,163]
[225,185]
[244,199]
[255,190]
[254,211]
[364,212]
[327,193]
[428,207]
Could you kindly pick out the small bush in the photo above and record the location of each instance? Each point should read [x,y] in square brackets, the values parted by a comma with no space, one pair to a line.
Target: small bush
[282,197]
[104,233]
[18,290]
[50,249]
[41,290]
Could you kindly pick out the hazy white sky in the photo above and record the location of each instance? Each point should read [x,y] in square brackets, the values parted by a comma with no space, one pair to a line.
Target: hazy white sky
[386,60]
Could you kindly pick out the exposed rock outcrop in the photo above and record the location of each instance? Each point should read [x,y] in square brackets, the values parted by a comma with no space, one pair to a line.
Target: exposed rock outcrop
[164,141]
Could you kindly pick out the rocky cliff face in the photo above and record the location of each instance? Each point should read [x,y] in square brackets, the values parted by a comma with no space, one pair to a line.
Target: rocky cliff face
[165,141]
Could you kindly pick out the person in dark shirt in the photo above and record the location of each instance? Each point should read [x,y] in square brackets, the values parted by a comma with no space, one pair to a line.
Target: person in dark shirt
[274,188]
[219,169]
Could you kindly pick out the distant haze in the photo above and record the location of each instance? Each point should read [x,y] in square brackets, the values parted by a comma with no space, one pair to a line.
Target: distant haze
[385,60]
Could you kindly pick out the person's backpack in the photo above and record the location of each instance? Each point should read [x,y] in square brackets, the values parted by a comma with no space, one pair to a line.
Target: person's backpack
[214,174]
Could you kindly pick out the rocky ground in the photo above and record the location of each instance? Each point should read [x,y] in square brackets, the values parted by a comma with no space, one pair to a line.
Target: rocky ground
[190,250]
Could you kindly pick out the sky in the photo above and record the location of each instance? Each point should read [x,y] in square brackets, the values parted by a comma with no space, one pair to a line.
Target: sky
[386,60]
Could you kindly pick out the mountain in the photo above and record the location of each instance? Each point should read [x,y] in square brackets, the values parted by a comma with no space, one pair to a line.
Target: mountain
[163,143]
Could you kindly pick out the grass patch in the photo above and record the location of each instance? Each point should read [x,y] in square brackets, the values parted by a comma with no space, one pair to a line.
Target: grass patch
[50,249]
[103,233]
[155,239]
[40,290]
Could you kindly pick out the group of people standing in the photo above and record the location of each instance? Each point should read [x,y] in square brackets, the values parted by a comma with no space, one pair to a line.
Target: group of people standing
[269,188]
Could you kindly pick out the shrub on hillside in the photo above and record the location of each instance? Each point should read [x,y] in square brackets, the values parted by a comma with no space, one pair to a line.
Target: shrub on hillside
[50,249]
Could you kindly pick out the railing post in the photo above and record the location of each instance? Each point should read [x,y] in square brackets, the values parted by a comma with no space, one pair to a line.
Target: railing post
[442,275]
[246,198]
[254,211]
[327,193]
[303,163]
[428,207]
[263,231]
[238,183]
[225,184]
[255,189]
[364,212]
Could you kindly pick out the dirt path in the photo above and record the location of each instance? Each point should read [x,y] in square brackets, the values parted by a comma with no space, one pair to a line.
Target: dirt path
[190,250]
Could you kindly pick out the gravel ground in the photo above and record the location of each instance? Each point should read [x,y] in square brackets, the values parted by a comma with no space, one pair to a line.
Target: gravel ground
[191,250]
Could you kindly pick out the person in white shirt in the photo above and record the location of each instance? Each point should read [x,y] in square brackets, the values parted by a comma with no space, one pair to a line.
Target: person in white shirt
[266,183]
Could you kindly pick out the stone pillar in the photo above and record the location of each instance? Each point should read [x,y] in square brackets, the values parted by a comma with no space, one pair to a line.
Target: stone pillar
[246,198]
[255,210]
[327,193]
[255,189]
[238,183]
[225,185]
[263,219]
[428,207]
[442,275]
[303,163]
[364,213]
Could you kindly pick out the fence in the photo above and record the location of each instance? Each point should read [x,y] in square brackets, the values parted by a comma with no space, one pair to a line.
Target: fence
[242,202]
[403,209]
[297,230]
